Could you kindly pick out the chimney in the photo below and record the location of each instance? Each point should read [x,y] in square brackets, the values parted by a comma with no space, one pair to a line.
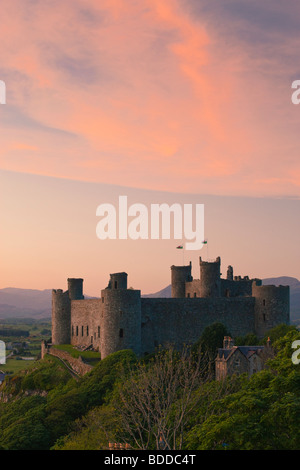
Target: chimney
[227,342]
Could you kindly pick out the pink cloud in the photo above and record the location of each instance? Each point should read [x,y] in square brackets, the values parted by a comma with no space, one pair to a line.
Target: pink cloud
[144,94]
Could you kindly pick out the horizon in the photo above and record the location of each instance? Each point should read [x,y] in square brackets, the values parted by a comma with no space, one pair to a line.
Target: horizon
[249,233]
[160,102]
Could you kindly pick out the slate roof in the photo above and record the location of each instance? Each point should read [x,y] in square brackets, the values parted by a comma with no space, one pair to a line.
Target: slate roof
[247,351]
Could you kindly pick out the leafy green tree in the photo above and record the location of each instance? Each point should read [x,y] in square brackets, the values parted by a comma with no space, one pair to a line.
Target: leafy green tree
[248,340]
[263,414]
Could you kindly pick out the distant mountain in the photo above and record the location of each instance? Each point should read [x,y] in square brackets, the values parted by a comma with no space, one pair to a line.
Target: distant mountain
[25,303]
[32,303]
[164,293]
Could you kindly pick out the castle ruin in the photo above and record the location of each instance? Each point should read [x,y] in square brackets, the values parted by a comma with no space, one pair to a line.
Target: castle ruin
[122,319]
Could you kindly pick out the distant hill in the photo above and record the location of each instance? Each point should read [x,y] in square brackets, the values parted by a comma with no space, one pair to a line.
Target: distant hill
[32,303]
[25,303]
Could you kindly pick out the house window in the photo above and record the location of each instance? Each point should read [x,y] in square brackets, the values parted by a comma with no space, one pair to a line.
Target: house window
[121,333]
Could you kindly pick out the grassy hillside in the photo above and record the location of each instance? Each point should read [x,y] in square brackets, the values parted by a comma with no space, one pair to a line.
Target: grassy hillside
[46,408]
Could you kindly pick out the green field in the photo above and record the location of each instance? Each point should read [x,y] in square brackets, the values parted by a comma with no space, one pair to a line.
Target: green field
[37,331]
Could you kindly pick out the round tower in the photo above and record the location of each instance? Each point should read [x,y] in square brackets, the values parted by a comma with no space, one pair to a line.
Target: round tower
[118,281]
[179,276]
[272,307]
[210,282]
[61,317]
[75,288]
[121,322]
[230,273]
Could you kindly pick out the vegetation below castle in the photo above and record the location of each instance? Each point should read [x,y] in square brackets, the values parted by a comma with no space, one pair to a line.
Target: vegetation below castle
[165,395]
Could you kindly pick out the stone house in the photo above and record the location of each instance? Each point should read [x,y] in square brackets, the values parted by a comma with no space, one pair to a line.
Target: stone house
[240,359]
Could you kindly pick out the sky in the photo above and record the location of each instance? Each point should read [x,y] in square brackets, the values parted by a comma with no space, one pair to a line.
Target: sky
[180,100]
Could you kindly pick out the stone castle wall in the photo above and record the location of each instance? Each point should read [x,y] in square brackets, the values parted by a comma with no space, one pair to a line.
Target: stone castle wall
[121,319]
[76,363]
[182,321]
[86,323]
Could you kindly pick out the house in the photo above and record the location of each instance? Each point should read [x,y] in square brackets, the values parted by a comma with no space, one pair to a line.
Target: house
[240,359]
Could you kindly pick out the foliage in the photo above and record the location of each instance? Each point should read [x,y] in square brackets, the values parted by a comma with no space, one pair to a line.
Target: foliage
[167,395]
[155,399]
[263,414]
[248,340]
[212,339]
[66,400]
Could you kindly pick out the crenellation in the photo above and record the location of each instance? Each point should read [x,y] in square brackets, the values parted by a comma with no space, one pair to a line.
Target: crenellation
[122,319]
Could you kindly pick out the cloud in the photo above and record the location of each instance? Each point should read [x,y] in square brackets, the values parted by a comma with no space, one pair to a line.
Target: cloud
[179,94]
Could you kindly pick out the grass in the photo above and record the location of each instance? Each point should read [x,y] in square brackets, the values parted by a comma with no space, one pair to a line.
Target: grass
[14,366]
[37,332]
[87,356]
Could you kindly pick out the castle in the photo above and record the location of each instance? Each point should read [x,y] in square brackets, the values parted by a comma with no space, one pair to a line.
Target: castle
[122,319]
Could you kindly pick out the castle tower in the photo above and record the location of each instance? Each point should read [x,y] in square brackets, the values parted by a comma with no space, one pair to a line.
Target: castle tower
[272,306]
[118,281]
[230,273]
[179,276]
[75,288]
[210,281]
[121,322]
[61,310]
[61,317]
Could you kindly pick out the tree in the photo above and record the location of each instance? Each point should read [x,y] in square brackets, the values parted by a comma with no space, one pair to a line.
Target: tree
[156,399]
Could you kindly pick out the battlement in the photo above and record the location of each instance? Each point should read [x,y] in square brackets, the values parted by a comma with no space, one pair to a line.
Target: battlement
[118,281]
[121,319]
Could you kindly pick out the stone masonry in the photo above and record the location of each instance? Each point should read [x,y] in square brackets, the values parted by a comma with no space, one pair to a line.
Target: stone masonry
[122,319]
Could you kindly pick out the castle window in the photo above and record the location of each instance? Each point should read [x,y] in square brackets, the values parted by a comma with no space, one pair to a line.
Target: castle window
[72,330]
[121,333]
[103,300]
[76,330]
[264,317]
[189,295]
[98,331]
[116,284]
[195,294]
[82,331]
[87,330]
[264,302]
